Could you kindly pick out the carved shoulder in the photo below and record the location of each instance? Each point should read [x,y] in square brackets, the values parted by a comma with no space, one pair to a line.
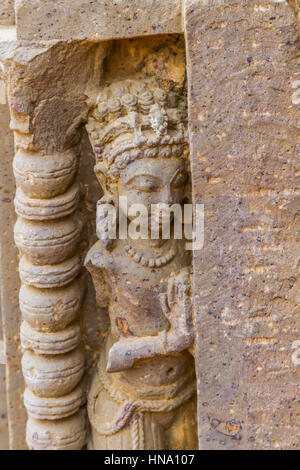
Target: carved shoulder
[100,264]
[99,258]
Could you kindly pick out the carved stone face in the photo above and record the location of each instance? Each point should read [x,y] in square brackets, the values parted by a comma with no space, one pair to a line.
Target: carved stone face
[153,181]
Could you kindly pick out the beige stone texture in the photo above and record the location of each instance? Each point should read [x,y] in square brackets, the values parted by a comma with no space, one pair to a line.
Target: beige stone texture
[96,20]
[51,89]
[9,282]
[7,12]
[47,115]
[244,129]
[3,408]
[4,444]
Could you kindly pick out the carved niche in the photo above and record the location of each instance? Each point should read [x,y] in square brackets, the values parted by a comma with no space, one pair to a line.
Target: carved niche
[143,391]
[142,395]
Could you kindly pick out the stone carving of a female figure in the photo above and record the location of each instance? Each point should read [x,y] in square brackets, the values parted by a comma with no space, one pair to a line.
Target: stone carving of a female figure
[142,394]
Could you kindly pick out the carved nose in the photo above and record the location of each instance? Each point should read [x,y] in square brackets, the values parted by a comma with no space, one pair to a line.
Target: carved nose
[167,197]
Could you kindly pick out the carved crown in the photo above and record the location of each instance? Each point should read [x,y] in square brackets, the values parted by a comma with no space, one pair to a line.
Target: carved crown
[136,119]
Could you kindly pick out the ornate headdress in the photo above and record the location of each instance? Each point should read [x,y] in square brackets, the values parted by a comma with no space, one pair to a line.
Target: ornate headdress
[136,119]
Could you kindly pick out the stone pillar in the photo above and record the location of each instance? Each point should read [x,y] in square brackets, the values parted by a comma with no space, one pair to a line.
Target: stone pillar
[244,128]
[47,233]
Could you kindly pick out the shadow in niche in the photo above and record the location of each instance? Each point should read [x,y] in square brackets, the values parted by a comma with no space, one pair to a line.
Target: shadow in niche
[95,320]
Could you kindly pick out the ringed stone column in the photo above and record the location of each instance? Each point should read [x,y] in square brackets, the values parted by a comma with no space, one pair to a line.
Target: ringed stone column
[47,233]
[47,114]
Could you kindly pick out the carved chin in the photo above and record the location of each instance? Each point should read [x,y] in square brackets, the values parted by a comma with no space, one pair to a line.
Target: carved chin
[163,220]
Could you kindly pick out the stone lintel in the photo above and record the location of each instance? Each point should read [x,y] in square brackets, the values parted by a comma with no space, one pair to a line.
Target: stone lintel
[96,20]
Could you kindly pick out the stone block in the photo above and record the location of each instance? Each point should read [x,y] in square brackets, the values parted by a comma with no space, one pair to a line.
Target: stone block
[96,20]
[7,12]
[244,130]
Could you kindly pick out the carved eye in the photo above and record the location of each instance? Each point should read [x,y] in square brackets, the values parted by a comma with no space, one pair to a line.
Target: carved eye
[180,180]
[145,183]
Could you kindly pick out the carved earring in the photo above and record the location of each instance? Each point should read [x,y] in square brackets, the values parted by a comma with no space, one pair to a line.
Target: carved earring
[106,213]
[106,221]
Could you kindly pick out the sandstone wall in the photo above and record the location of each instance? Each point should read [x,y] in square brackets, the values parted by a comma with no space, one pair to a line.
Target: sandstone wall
[12,408]
[96,20]
[245,126]
[6,18]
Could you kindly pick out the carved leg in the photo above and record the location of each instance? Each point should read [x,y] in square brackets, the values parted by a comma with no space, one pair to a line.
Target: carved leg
[182,434]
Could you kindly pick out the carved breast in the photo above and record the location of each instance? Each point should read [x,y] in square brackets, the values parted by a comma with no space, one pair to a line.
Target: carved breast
[134,303]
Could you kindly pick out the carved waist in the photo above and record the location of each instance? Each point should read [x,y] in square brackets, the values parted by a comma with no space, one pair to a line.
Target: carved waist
[155,378]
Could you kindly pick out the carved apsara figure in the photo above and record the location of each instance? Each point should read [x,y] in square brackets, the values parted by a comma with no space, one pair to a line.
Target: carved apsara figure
[142,394]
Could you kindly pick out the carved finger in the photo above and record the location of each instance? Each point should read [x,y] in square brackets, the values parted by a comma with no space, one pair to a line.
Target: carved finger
[182,291]
[164,305]
[171,293]
[119,359]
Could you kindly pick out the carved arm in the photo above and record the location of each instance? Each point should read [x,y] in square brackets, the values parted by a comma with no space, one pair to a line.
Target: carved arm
[177,308]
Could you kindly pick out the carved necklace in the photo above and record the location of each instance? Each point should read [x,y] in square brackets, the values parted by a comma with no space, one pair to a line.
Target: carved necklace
[140,258]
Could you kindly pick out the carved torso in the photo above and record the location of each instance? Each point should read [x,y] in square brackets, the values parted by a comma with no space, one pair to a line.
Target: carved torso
[132,295]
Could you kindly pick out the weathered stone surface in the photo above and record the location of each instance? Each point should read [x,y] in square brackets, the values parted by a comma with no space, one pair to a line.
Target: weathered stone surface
[66,434]
[9,282]
[96,20]
[45,129]
[7,12]
[245,127]
[54,408]
[4,444]
[3,409]
[53,376]
[47,133]
[49,84]
[45,177]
